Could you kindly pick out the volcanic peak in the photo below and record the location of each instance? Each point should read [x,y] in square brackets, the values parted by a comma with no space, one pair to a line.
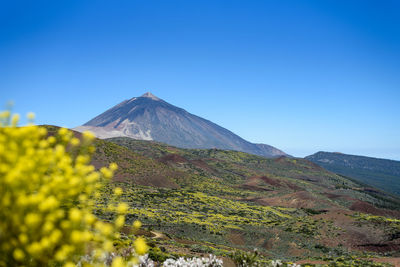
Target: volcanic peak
[150,95]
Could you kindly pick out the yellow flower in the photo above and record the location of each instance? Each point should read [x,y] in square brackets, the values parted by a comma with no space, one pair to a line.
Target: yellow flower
[88,136]
[122,208]
[108,245]
[18,254]
[55,236]
[113,166]
[48,227]
[51,140]
[45,243]
[63,131]
[75,141]
[137,224]
[120,221]
[118,191]
[76,236]
[75,215]
[32,219]
[140,246]
[90,219]
[117,262]
[69,264]
[23,238]
[48,204]
[106,172]
[106,229]
[47,196]
[34,249]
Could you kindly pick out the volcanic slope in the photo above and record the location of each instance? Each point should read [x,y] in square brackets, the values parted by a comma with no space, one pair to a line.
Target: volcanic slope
[151,118]
[194,202]
[285,207]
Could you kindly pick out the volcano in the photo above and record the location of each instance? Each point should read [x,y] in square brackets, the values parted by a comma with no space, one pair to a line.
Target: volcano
[150,118]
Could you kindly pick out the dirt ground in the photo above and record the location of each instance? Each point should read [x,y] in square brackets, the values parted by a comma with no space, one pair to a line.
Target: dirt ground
[394,261]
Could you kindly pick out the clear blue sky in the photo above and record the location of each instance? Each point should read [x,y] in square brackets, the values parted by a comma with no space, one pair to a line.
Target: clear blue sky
[303,76]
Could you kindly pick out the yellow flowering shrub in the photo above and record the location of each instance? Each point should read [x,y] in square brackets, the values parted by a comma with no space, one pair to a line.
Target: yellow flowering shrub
[47,192]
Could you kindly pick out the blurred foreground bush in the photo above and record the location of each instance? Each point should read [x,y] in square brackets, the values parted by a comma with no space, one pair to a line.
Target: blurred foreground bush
[47,192]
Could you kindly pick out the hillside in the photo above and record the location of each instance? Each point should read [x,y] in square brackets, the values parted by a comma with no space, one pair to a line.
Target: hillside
[284,207]
[380,173]
[151,118]
[198,201]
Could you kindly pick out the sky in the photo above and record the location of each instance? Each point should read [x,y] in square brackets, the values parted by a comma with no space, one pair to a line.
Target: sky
[303,76]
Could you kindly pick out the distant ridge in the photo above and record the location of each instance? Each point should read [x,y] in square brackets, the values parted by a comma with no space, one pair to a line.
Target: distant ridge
[380,173]
[150,118]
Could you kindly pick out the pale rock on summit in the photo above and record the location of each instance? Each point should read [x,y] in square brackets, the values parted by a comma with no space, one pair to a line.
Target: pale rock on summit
[150,118]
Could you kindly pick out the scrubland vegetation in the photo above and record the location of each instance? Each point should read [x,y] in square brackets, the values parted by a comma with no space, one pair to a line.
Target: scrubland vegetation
[60,207]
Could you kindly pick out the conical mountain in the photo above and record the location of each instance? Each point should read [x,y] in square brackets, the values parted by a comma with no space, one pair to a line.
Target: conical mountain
[150,118]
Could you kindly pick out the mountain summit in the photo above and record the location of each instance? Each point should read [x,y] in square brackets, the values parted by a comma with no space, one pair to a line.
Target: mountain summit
[150,95]
[150,118]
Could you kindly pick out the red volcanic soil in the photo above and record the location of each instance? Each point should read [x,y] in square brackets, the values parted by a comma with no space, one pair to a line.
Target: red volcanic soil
[366,207]
[336,196]
[203,165]
[394,261]
[258,183]
[385,247]
[262,183]
[280,159]
[339,216]
[355,235]
[174,158]
[267,180]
